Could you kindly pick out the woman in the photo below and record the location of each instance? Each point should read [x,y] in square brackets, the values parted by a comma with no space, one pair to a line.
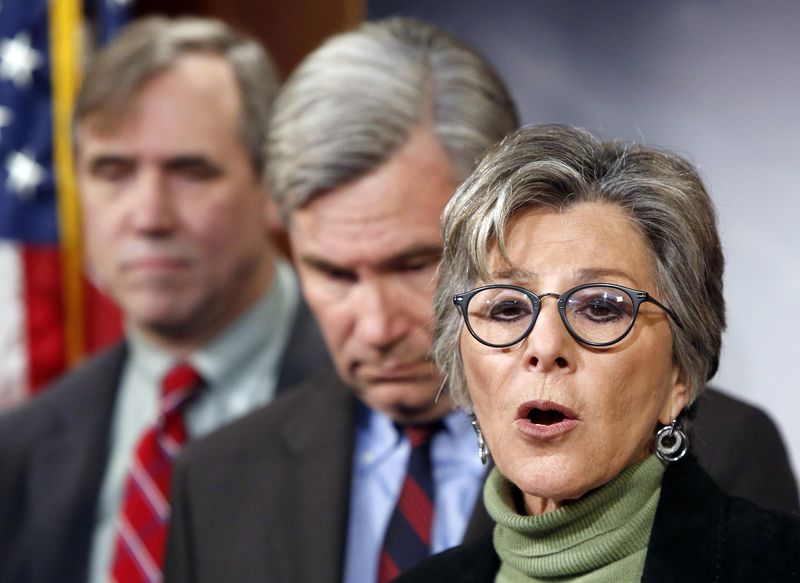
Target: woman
[588,289]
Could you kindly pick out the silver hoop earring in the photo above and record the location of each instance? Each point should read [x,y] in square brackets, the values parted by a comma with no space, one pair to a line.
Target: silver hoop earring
[483,451]
[671,442]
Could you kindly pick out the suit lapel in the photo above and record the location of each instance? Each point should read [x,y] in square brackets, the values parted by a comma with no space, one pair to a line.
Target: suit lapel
[66,470]
[319,444]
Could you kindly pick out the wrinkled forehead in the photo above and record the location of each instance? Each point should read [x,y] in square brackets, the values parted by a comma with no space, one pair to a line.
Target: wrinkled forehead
[589,241]
[107,105]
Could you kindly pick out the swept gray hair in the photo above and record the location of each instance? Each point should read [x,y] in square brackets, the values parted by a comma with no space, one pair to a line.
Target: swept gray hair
[353,102]
[152,45]
[558,167]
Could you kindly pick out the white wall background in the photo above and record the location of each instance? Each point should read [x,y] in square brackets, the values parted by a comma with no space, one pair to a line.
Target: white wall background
[718,82]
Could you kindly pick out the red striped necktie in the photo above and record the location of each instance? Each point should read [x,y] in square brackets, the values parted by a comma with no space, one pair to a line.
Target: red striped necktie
[142,526]
[408,537]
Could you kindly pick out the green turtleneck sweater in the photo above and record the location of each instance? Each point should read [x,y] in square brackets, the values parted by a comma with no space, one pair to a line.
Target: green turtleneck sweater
[601,537]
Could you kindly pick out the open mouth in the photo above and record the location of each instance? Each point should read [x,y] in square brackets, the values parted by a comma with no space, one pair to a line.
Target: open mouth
[545,417]
[544,413]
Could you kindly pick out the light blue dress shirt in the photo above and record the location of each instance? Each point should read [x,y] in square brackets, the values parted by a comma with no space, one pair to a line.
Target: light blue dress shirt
[240,368]
[379,467]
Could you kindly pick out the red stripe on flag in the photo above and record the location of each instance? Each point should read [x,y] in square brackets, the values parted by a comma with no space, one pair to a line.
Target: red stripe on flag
[44,314]
[45,319]
[102,320]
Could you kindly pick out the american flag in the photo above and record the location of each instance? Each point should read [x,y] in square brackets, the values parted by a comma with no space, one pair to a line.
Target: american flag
[50,317]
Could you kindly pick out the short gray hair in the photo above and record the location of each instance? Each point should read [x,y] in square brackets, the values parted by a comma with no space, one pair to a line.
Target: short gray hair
[558,167]
[352,103]
[152,45]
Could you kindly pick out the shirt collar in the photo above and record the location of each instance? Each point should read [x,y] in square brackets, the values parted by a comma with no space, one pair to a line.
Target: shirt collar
[378,437]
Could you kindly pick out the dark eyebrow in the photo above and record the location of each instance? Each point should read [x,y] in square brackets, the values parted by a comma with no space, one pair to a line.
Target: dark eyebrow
[189,161]
[411,254]
[175,163]
[321,264]
[414,253]
[101,160]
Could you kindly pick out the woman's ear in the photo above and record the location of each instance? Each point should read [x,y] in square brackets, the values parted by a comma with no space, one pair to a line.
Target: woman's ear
[679,397]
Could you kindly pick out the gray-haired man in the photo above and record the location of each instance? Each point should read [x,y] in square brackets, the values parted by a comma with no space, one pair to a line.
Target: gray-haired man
[369,139]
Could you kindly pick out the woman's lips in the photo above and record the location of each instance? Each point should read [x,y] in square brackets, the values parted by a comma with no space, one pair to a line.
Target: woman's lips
[545,419]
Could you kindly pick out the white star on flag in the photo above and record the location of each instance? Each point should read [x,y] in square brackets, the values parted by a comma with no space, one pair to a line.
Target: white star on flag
[18,59]
[5,117]
[24,174]
[121,3]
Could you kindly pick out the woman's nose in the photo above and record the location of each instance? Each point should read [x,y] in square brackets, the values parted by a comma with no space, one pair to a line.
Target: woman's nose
[549,346]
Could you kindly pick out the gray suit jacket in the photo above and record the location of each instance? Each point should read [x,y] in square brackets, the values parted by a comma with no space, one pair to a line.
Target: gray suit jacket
[53,454]
[266,498]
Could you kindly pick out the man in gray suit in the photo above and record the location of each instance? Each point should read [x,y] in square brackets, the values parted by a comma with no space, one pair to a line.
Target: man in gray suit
[368,140]
[169,132]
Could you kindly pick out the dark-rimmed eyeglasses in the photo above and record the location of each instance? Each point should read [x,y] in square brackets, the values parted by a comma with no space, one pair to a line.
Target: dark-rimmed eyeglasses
[595,314]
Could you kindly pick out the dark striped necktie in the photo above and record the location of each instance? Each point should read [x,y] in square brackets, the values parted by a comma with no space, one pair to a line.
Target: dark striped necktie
[142,525]
[408,537]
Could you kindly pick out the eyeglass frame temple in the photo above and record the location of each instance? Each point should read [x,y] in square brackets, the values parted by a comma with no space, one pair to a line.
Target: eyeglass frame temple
[646,297]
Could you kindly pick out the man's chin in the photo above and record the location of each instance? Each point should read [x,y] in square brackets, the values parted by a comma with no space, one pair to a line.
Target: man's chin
[170,323]
[406,402]
[403,415]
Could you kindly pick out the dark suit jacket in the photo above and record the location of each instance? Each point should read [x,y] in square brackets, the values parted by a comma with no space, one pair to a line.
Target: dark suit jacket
[741,448]
[53,454]
[699,534]
[266,499]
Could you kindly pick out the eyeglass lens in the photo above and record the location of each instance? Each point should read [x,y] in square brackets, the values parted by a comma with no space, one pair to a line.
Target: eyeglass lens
[597,314]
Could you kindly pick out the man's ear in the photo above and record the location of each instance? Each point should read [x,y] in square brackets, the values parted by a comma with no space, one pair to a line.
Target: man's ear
[276,229]
[272,217]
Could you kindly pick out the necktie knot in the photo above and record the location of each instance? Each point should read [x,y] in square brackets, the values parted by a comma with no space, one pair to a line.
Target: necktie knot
[421,434]
[178,386]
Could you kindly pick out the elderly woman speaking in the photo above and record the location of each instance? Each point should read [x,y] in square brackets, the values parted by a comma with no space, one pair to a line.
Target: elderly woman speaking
[587,282]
